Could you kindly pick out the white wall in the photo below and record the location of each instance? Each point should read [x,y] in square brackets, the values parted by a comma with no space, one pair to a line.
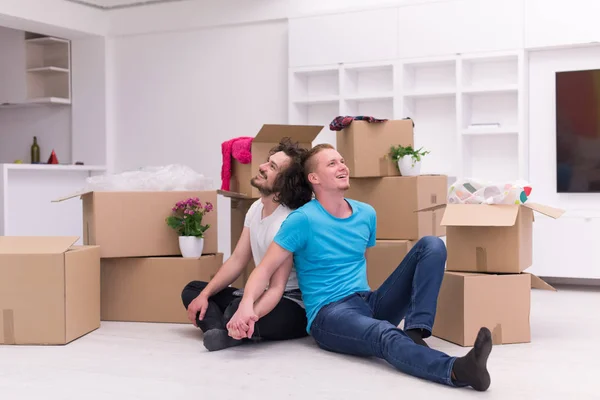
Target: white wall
[177,96]
[53,17]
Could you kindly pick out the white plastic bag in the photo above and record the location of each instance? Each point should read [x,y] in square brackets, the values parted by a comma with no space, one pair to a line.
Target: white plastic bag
[473,191]
[172,177]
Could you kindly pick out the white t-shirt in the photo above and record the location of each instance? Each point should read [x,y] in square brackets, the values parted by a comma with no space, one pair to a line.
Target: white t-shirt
[262,233]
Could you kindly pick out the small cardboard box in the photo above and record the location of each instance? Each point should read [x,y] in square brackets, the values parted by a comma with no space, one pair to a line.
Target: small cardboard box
[240,204]
[396,198]
[365,146]
[132,224]
[49,290]
[491,238]
[267,138]
[384,258]
[501,303]
[149,289]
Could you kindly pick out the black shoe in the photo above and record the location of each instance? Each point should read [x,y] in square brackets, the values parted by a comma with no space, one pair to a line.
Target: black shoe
[218,339]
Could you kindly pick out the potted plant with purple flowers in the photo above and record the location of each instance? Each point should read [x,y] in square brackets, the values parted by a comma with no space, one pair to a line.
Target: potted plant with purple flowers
[186,220]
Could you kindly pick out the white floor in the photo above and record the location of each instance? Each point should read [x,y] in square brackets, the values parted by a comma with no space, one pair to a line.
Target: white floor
[160,361]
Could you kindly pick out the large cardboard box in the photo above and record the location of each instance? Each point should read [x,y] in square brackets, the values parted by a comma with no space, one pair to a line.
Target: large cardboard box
[384,258]
[49,290]
[132,224]
[396,200]
[365,146]
[491,238]
[267,138]
[501,303]
[149,289]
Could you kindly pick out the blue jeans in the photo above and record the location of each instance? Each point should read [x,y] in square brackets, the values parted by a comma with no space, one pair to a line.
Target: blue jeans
[366,323]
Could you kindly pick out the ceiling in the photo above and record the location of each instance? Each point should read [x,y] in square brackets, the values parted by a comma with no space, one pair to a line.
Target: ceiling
[114,4]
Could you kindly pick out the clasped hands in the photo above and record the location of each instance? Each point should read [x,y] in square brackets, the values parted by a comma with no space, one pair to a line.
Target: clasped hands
[241,325]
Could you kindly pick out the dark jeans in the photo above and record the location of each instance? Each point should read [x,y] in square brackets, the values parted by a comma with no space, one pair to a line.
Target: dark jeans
[286,321]
[365,324]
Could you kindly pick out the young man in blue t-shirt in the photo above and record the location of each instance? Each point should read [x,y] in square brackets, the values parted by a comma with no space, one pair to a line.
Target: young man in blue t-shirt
[328,238]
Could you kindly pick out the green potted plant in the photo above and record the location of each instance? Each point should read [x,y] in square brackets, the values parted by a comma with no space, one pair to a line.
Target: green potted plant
[186,220]
[408,159]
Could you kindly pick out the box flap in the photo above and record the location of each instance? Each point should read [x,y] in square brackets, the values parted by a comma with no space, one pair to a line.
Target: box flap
[233,195]
[76,194]
[480,215]
[538,283]
[546,210]
[36,244]
[298,133]
[431,208]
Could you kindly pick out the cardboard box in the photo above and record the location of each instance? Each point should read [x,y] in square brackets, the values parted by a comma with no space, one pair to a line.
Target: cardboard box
[384,258]
[491,238]
[267,138]
[501,303]
[396,200]
[149,289]
[49,290]
[132,224]
[365,146]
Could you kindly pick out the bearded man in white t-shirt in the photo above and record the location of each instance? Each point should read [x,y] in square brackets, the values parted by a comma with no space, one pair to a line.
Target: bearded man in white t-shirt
[210,305]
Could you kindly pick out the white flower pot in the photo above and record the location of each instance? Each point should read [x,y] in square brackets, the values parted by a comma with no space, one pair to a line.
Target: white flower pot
[408,166]
[191,246]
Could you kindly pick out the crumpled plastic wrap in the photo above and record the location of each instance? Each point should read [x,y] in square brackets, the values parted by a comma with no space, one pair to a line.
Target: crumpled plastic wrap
[473,191]
[172,177]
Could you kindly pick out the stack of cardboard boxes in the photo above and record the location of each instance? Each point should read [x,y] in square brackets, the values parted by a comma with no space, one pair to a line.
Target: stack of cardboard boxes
[375,179]
[489,247]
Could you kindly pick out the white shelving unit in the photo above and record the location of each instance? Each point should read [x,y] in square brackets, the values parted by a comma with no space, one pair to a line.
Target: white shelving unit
[469,110]
[48,70]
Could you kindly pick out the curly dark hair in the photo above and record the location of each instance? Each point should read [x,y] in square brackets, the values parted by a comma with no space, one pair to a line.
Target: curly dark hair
[291,186]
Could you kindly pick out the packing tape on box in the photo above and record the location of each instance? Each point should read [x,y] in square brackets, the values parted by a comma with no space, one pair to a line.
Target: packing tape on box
[481,259]
[497,334]
[8,317]
[433,223]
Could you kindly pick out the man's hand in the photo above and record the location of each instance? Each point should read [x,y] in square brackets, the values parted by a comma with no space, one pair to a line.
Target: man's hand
[241,325]
[199,304]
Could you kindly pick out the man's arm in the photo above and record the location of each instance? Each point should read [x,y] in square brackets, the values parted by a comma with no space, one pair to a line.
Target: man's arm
[269,300]
[229,272]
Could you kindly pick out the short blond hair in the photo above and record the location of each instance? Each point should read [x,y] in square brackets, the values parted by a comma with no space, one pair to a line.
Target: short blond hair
[309,163]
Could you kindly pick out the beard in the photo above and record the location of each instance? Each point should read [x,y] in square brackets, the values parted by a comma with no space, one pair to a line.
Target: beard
[263,190]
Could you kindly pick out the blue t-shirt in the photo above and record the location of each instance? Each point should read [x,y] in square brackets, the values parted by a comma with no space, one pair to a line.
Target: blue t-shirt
[329,252]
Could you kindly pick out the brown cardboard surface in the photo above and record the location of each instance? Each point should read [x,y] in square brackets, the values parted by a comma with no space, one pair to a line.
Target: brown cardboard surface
[53,289]
[267,138]
[149,289]
[366,146]
[470,301]
[396,199]
[239,208]
[384,258]
[491,238]
[132,224]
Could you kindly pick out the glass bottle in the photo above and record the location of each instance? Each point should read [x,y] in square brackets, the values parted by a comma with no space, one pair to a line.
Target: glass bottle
[35,151]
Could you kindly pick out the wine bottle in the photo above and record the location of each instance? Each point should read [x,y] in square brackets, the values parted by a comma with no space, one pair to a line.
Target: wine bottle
[35,151]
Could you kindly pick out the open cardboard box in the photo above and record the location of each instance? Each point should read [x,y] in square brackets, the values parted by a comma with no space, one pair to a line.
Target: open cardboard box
[49,290]
[267,138]
[499,302]
[132,224]
[384,258]
[366,146]
[494,238]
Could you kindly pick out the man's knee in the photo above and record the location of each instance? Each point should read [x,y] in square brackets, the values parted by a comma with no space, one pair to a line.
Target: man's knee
[191,291]
[433,245]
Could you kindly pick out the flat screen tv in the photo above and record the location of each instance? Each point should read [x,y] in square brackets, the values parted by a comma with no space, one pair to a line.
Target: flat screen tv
[578,131]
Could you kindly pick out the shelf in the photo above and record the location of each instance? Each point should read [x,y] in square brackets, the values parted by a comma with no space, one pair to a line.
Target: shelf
[318,100]
[491,131]
[53,167]
[491,89]
[47,41]
[362,81]
[48,70]
[37,102]
[435,77]
[316,84]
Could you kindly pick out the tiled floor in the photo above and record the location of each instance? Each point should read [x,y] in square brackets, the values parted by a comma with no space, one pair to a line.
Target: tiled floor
[156,361]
